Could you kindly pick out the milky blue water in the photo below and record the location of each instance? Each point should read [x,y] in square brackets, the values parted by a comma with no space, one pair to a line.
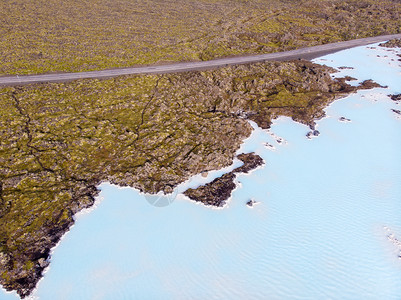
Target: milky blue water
[326,226]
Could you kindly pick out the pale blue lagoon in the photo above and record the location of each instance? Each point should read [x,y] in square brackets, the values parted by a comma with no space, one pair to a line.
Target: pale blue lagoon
[327,224]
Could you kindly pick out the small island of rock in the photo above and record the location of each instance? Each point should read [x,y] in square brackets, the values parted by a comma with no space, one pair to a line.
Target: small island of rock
[395,97]
[219,190]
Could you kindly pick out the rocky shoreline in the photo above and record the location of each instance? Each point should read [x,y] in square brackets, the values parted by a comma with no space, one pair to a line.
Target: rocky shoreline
[39,253]
[60,141]
[219,190]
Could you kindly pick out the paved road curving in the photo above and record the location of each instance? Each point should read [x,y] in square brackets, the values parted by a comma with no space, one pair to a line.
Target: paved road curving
[304,53]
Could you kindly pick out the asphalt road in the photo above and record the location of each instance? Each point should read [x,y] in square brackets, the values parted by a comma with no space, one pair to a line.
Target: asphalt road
[304,53]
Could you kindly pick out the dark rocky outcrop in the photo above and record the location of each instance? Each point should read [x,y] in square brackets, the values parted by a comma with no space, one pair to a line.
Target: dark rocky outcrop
[251,161]
[269,146]
[312,133]
[369,84]
[214,193]
[398,112]
[219,190]
[395,97]
[344,119]
[251,202]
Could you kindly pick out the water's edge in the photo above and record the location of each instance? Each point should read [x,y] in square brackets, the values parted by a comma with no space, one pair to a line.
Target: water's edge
[247,260]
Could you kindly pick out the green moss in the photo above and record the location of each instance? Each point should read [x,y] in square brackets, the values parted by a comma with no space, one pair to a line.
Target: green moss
[44,38]
[5,276]
[59,141]
[28,265]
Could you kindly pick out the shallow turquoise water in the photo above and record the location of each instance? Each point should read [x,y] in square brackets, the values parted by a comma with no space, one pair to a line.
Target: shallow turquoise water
[320,229]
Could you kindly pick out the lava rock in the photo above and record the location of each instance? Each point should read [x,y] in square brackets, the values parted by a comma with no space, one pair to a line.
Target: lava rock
[398,112]
[251,202]
[369,84]
[219,190]
[344,119]
[312,133]
[251,161]
[395,97]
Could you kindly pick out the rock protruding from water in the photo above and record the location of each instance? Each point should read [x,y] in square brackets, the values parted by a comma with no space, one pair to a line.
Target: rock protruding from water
[251,161]
[251,203]
[398,112]
[312,133]
[395,97]
[344,119]
[369,84]
[269,146]
[219,190]
[393,239]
